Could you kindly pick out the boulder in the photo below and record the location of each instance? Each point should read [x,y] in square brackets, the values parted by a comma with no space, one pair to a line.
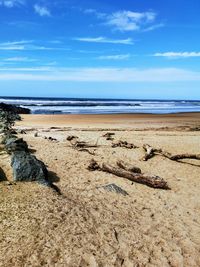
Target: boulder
[28,168]
[6,137]
[15,144]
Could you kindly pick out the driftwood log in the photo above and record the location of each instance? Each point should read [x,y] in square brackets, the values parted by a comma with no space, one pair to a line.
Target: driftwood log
[150,152]
[128,167]
[80,145]
[71,137]
[87,150]
[109,136]
[151,181]
[124,144]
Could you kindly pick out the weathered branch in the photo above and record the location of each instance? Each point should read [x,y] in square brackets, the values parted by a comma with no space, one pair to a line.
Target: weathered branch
[82,144]
[152,181]
[128,167]
[151,152]
[109,136]
[124,144]
[93,166]
[87,150]
[185,156]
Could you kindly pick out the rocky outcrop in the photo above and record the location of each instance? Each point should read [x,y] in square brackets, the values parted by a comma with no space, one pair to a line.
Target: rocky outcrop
[26,167]
[14,109]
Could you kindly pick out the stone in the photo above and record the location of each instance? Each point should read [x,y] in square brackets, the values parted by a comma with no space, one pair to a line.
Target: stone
[114,188]
[16,144]
[28,168]
[8,136]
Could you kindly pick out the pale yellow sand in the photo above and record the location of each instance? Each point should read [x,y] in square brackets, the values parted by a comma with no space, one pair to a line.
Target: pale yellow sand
[87,226]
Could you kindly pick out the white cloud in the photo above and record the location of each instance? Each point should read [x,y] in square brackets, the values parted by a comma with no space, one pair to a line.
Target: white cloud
[42,11]
[126,20]
[178,54]
[16,42]
[153,27]
[27,69]
[115,57]
[129,21]
[127,41]
[15,45]
[25,45]
[11,3]
[19,59]
[99,74]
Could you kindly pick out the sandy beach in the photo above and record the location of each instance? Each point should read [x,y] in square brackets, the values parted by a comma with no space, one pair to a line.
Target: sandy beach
[86,225]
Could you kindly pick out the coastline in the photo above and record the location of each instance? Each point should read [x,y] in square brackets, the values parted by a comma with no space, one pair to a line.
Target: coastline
[111,120]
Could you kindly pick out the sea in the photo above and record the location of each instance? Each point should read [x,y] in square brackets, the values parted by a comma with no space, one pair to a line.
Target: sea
[102,106]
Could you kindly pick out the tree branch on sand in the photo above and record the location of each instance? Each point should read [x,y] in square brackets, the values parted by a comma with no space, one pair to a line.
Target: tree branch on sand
[133,174]
[150,152]
[82,145]
[124,144]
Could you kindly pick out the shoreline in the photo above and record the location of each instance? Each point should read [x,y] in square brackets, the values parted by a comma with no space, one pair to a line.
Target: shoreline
[110,120]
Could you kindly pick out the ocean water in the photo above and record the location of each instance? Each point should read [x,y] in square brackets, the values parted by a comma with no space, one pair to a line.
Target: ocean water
[102,106]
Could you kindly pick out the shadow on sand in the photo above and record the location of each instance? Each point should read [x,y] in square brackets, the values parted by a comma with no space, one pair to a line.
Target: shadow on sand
[53,178]
[2,175]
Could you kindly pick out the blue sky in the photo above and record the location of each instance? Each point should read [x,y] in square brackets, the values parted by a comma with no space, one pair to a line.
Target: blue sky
[104,48]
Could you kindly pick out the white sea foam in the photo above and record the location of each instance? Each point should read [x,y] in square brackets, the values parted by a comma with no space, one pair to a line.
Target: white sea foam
[98,106]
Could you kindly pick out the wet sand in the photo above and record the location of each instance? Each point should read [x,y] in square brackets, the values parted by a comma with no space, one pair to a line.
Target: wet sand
[113,120]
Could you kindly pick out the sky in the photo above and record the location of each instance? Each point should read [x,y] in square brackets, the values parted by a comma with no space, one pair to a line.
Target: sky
[100,48]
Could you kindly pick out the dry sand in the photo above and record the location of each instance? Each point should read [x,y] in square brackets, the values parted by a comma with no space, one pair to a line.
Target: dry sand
[88,226]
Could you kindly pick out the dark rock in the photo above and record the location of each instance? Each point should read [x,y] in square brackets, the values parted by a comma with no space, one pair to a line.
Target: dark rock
[16,144]
[8,136]
[14,109]
[114,188]
[28,168]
